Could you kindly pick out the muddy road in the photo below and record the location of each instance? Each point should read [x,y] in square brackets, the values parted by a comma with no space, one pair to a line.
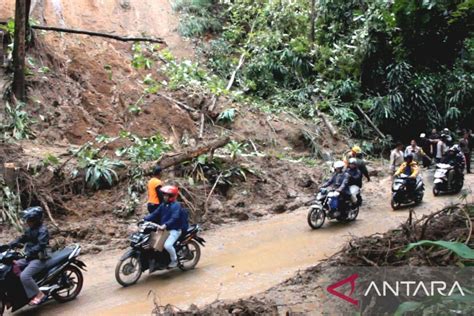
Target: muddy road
[239,260]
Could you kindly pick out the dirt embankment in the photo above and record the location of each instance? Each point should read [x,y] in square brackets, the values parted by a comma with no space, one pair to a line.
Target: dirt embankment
[81,87]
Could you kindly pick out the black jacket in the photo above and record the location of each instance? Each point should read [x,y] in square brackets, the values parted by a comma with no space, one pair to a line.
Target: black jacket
[36,241]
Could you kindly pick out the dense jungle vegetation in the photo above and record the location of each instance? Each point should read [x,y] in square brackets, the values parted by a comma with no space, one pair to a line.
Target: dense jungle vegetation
[408,64]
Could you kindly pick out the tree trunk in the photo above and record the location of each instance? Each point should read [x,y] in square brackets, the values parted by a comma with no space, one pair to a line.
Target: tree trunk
[312,21]
[19,50]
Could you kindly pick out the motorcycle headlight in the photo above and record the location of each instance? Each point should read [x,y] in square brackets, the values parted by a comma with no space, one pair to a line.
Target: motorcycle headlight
[396,186]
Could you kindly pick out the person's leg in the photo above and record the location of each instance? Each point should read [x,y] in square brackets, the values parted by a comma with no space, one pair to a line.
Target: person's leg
[468,162]
[26,277]
[450,178]
[169,246]
[354,189]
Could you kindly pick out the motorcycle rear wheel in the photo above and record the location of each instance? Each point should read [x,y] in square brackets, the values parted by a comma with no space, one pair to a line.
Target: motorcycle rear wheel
[195,252]
[316,218]
[73,276]
[352,215]
[126,267]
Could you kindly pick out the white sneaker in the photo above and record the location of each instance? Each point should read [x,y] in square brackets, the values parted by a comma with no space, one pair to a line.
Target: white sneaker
[173,264]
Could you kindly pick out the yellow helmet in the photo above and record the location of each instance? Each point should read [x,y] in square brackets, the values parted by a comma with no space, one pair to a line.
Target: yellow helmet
[356,149]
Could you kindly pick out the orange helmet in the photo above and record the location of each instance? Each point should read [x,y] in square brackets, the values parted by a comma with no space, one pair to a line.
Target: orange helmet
[172,191]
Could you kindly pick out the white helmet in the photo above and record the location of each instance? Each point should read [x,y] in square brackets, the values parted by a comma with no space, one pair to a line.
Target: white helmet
[353,160]
[422,135]
[455,148]
[339,164]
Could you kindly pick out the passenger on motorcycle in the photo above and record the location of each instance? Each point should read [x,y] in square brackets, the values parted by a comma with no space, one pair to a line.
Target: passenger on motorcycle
[409,168]
[355,179]
[169,217]
[356,152]
[454,158]
[155,196]
[36,240]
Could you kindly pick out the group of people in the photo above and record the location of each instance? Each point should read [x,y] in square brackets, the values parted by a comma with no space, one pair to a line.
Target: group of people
[435,148]
[163,208]
[348,173]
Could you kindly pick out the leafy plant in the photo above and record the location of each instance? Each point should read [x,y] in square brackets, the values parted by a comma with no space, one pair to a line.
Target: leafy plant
[227,116]
[101,170]
[235,148]
[50,160]
[461,250]
[17,122]
[10,204]
[143,149]
[197,17]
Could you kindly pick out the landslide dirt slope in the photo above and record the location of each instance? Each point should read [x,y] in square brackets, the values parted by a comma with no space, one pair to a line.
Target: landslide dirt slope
[86,91]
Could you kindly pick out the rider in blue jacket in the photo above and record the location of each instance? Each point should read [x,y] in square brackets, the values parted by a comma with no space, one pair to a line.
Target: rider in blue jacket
[168,216]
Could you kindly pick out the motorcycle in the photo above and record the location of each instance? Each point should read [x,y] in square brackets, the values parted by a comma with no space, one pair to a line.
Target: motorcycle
[330,204]
[61,280]
[137,259]
[402,196]
[441,180]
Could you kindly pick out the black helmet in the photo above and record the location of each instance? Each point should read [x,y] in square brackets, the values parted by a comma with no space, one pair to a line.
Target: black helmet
[157,170]
[33,213]
[408,157]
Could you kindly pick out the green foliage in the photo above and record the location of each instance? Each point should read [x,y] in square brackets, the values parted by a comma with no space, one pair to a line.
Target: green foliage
[17,122]
[198,17]
[143,149]
[50,160]
[227,116]
[100,170]
[408,64]
[460,249]
[438,305]
[10,205]
[140,58]
[235,148]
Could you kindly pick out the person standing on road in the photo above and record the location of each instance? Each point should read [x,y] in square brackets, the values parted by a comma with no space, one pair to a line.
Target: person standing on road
[416,151]
[466,150]
[433,138]
[441,148]
[155,196]
[396,157]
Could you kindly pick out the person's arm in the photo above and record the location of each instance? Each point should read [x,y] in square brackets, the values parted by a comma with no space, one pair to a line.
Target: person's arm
[392,159]
[19,240]
[363,169]
[414,171]
[155,216]
[175,215]
[344,182]
[400,170]
[159,193]
[43,241]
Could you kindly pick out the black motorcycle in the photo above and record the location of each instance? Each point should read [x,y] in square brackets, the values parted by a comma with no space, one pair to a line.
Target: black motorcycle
[333,205]
[402,194]
[137,259]
[61,280]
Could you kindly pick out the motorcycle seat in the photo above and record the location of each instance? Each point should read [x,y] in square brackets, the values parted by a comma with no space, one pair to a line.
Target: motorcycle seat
[190,230]
[58,257]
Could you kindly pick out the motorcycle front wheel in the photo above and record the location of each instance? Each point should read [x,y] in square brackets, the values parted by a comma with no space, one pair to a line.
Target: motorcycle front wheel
[395,205]
[436,190]
[191,253]
[128,271]
[71,281]
[316,217]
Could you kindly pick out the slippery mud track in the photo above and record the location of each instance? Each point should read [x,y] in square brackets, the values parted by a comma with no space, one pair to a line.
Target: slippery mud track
[239,260]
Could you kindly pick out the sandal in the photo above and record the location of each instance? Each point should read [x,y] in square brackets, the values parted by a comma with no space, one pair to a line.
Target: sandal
[38,301]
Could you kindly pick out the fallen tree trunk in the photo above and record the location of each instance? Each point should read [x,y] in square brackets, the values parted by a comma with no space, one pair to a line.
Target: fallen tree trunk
[370,121]
[99,34]
[174,159]
[328,123]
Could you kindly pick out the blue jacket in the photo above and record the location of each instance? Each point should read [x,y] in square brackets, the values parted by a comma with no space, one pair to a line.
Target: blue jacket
[184,220]
[168,214]
[36,241]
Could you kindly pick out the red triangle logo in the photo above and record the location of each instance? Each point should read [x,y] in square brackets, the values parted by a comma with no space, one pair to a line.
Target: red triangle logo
[332,289]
